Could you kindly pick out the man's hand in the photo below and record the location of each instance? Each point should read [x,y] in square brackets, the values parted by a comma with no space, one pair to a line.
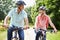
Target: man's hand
[6,22]
[26,27]
[5,25]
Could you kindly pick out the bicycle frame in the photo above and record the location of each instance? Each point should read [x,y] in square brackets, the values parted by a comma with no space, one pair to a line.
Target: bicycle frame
[15,35]
[41,35]
[40,38]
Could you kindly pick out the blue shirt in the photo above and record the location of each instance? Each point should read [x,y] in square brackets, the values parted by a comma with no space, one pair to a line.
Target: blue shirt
[17,19]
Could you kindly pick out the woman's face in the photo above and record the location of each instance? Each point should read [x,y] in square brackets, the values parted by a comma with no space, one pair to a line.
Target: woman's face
[41,11]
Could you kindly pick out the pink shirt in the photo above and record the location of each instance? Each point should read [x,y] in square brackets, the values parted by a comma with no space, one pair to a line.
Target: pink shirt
[42,22]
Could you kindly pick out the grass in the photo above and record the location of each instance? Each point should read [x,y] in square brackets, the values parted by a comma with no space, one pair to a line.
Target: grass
[50,36]
[3,35]
[53,36]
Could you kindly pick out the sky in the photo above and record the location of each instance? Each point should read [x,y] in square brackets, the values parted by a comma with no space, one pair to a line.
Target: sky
[29,3]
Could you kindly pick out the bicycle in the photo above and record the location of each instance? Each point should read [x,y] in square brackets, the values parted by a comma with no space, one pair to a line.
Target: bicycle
[41,34]
[16,37]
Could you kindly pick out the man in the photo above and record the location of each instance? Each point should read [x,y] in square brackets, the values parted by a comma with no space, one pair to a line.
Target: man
[18,16]
[42,21]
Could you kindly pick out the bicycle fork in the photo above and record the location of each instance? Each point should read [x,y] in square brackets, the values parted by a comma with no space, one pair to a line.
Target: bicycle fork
[15,35]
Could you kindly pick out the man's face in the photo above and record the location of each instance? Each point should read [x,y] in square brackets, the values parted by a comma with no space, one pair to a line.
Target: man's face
[21,7]
[41,12]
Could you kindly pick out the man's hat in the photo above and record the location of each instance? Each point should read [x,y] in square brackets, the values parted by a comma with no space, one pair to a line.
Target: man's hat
[21,3]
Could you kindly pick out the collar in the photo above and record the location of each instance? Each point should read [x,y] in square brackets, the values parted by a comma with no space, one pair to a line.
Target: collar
[17,12]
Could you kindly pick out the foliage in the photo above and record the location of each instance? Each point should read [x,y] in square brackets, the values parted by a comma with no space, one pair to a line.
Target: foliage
[28,10]
[2,15]
[5,6]
[53,10]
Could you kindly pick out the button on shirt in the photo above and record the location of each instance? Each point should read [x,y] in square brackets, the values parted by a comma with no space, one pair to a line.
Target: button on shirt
[17,19]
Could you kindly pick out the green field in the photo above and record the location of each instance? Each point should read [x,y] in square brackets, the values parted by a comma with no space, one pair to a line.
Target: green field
[53,36]
[3,35]
[50,36]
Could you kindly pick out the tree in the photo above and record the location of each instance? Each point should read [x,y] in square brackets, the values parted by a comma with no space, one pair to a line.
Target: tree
[5,6]
[53,11]
[28,10]
[54,8]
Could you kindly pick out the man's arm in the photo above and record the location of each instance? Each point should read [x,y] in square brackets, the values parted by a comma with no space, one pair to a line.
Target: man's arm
[10,13]
[6,21]
[26,22]
[52,25]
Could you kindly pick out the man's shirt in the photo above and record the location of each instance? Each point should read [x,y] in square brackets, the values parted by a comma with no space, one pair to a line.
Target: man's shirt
[17,19]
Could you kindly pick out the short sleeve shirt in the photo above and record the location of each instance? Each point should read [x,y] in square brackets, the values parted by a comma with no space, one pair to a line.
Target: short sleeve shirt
[17,19]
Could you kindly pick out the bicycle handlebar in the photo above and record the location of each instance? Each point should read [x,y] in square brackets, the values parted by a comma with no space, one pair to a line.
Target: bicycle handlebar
[51,31]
